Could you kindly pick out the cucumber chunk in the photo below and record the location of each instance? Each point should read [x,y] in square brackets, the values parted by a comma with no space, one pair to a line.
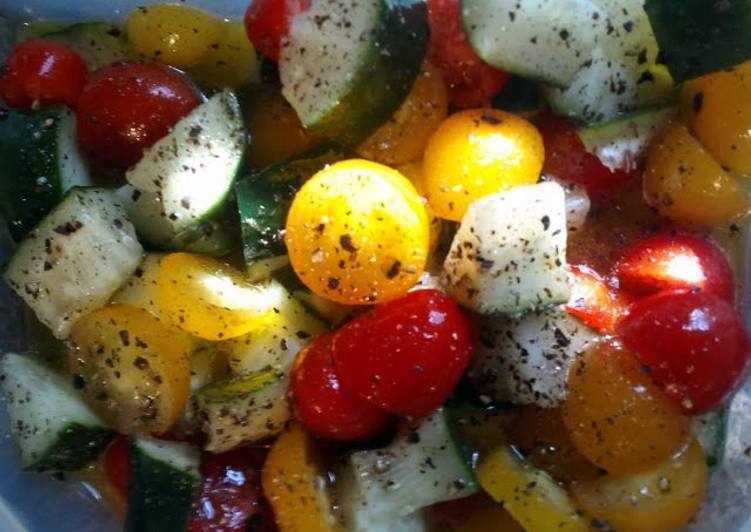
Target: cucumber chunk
[99,43]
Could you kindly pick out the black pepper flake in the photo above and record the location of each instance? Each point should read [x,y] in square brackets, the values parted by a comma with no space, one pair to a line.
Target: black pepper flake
[564,34]
[545,222]
[141,363]
[68,228]
[490,119]
[394,270]
[79,383]
[302,335]
[124,337]
[346,242]
[333,283]
[698,102]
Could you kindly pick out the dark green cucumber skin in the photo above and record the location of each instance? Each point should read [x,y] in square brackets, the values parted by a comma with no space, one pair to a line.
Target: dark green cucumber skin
[160,499]
[697,37]
[381,86]
[29,181]
[264,197]
[76,446]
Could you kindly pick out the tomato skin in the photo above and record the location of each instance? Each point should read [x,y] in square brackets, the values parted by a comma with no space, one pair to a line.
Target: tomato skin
[231,496]
[267,23]
[567,158]
[127,107]
[471,82]
[595,302]
[324,407]
[116,464]
[42,71]
[694,344]
[671,261]
[407,355]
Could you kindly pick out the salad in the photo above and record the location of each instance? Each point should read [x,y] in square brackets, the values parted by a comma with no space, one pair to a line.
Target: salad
[381,265]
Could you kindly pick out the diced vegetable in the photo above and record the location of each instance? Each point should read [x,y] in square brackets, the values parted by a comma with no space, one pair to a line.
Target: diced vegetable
[75,259]
[231,61]
[142,289]
[509,254]
[331,313]
[50,423]
[99,43]
[577,202]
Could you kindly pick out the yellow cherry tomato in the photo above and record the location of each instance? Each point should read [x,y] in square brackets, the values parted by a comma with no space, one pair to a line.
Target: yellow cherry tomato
[616,416]
[662,499]
[357,233]
[130,368]
[413,172]
[479,152]
[294,485]
[275,130]
[231,62]
[684,182]
[404,137]
[211,300]
[174,34]
[717,109]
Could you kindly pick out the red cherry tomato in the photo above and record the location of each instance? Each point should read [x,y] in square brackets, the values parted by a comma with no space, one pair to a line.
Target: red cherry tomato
[44,72]
[325,409]
[595,302]
[231,498]
[567,158]
[471,82]
[116,464]
[670,261]
[693,344]
[267,22]
[407,355]
[127,107]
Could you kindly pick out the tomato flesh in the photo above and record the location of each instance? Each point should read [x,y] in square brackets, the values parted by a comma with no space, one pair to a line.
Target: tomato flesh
[407,355]
[116,464]
[595,302]
[324,407]
[693,343]
[127,107]
[43,72]
[267,22]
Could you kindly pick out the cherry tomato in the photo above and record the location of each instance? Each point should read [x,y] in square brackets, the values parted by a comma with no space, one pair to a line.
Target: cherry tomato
[567,158]
[407,355]
[43,72]
[325,409]
[116,464]
[595,302]
[693,343]
[267,22]
[471,82]
[231,498]
[127,107]
[672,261]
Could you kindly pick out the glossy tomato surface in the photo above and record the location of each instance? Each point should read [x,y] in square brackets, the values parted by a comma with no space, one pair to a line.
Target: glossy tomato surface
[594,301]
[115,462]
[407,355]
[692,343]
[267,22]
[127,107]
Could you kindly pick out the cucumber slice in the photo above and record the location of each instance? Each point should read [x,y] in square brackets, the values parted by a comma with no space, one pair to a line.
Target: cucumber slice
[99,43]
[52,426]
[347,65]
[75,259]
[621,144]
[183,183]
[141,290]
[545,40]
[699,36]
[711,431]
[164,479]
[509,254]
[39,162]
[242,410]
[527,360]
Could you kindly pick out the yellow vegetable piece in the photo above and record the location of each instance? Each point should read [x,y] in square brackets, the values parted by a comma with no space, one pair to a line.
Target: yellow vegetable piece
[358,233]
[295,486]
[130,368]
[231,62]
[142,289]
[404,136]
[174,34]
[717,109]
[479,152]
[211,300]
[529,495]
[663,499]
[683,182]
[413,172]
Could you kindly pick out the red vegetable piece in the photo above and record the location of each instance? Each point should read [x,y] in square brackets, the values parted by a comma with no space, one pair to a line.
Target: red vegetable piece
[567,158]
[267,23]
[593,301]
[116,464]
[127,107]
[406,355]
[42,72]
[471,82]
[669,261]
[324,407]
[231,497]
[692,343]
